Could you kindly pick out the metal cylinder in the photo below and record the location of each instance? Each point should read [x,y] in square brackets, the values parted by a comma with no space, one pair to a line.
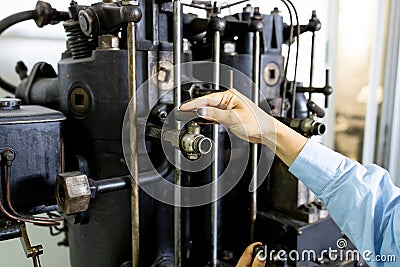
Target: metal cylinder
[254,151]
[133,142]
[177,41]
[215,165]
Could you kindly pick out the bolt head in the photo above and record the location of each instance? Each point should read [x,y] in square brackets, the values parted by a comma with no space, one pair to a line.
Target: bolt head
[72,192]
[9,155]
[163,75]
[108,42]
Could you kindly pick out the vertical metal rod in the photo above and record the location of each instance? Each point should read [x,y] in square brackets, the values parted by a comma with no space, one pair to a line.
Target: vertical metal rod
[36,261]
[215,165]
[133,142]
[312,64]
[254,150]
[230,79]
[177,40]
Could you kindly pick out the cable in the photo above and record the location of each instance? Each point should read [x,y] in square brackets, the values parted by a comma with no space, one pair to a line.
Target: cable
[51,18]
[4,25]
[211,8]
[287,59]
[294,85]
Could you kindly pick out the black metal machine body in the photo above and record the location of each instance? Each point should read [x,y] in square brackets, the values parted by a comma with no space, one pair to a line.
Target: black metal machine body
[90,88]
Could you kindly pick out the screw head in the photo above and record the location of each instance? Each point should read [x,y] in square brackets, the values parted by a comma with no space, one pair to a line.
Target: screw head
[110,42]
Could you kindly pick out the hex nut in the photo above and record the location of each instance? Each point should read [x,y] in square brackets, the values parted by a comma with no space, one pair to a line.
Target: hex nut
[72,192]
[109,42]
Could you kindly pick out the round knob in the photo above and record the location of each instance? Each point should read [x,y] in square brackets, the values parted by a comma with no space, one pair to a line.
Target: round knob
[202,145]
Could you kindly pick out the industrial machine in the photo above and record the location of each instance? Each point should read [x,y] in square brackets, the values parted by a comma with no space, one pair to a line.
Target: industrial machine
[101,147]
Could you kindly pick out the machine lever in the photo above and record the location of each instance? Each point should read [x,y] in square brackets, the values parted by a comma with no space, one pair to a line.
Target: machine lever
[326,90]
[315,109]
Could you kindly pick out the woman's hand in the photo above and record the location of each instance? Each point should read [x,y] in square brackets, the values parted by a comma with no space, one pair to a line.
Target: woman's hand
[247,121]
[237,113]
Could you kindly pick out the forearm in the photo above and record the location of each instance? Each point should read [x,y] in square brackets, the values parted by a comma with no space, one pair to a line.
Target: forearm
[286,142]
[361,199]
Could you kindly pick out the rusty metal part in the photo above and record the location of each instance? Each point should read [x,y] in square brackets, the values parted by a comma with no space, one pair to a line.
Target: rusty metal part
[30,252]
[79,101]
[36,220]
[191,142]
[135,222]
[177,41]
[108,42]
[195,144]
[72,192]
[25,219]
[163,75]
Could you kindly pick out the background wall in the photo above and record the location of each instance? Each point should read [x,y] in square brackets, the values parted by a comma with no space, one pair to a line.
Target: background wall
[356,20]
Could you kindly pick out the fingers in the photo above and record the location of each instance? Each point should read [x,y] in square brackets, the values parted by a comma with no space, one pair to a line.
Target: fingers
[215,114]
[247,256]
[258,263]
[212,100]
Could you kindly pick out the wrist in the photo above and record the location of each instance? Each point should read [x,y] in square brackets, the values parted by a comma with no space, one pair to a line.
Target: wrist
[286,142]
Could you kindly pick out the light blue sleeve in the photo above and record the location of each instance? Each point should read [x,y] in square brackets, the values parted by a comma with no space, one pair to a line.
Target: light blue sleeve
[362,200]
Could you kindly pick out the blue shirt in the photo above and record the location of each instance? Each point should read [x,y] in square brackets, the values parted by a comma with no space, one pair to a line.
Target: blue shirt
[362,200]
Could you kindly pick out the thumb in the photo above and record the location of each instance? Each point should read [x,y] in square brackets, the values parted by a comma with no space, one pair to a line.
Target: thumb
[258,263]
[215,114]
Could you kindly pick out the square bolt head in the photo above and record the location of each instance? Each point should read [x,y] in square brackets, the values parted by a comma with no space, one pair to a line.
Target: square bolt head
[72,192]
[108,42]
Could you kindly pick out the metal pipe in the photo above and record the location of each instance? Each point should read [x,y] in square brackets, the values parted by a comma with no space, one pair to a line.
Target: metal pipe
[133,142]
[12,217]
[36,261]
[215,165]
[111,184]
[230,79]
[123,182]
[177,40]
[5,24]
[294,85]
[287,59]
[312,64]
[254,147]
[36,220]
